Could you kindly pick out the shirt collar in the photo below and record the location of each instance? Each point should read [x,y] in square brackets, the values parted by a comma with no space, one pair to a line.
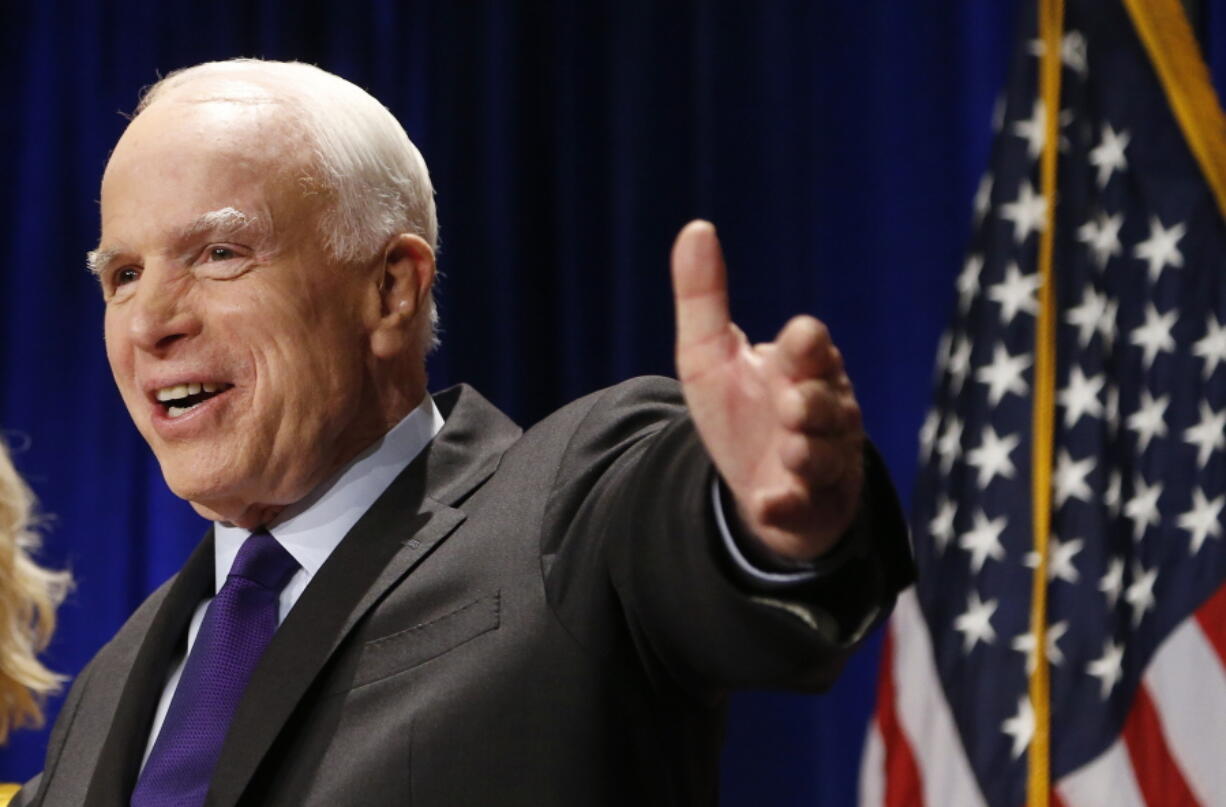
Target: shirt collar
[312,528]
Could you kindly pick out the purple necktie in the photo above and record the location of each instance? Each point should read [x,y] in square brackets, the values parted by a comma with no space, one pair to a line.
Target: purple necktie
[237,626]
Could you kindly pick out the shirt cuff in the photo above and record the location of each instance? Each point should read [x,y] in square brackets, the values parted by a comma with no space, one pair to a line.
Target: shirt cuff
[803,572]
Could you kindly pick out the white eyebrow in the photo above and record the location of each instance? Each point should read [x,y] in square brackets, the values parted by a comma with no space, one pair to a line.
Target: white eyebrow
[226,219]
[96,259]
[229,219]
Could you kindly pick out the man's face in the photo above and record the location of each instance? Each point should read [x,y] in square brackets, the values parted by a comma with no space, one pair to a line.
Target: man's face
[240,349]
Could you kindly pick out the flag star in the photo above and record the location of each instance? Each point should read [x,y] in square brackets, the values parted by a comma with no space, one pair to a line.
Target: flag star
[1142,508]
[928,433]
[968,281]
[1072,51]
[983,196]
[949,445]
[1112,583]
[1203,519]
[943,348]
[1021,726]
[1107,325]
[1069,478]
[1109,667]
[959,363]
[1161,248]
[1108,155]
[1212,346]
[1102,235]
[984,540]
[1004,374]
[992,456]
[1033,130]
[1111,496]
[1087,317]
[1111,409]
[1028,212]
[1150,420]
[1016,293]
[975,624]
[941,527]
[1025,643]
[1087,233]
[1155,335]
[1140,595]
[1059,559]
[1080,397]
[1209,435]
[1060,565]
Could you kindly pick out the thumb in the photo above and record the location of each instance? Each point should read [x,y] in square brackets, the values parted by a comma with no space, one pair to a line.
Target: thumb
[700,285]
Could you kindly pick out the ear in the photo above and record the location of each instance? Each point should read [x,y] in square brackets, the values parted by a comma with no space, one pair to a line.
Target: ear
[405,279]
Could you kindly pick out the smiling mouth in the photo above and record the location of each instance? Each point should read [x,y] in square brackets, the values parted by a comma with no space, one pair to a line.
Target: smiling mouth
[180,399]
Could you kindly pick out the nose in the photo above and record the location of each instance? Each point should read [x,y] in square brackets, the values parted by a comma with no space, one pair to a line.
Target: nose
[162,312]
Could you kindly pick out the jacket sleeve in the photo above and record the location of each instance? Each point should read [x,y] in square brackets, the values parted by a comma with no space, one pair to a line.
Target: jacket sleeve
[633,508]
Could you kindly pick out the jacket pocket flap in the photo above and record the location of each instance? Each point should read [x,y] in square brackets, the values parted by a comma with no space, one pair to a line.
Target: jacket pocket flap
[407,648]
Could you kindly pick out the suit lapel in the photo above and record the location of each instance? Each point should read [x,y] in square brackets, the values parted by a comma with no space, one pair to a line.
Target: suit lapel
[412,516]
[124,746]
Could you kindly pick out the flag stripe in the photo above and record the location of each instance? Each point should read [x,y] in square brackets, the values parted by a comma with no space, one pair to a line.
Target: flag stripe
[1186,663]
[902,783]
[1212,618]
[1108,780]
[872,768]
[923,713]
[1158,775]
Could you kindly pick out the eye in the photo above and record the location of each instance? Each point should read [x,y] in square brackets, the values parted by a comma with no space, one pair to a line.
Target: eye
[126,275]
[221,261]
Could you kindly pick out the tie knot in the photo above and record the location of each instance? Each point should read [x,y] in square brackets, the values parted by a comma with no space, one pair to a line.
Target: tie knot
[264,561]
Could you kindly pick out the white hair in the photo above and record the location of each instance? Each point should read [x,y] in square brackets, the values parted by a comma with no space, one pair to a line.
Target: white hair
[378,180]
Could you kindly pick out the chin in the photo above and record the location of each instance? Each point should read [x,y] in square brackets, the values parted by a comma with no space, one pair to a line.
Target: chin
[195,483]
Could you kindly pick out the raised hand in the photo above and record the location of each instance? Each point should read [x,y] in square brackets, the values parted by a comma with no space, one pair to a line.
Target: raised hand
[780,420]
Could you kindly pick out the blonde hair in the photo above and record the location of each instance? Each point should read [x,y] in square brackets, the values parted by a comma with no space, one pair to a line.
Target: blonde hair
[29,595]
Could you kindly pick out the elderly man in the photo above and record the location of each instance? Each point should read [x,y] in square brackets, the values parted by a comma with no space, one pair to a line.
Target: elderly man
[404,599]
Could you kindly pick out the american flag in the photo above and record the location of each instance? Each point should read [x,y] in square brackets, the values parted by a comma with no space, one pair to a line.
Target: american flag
[1136,591]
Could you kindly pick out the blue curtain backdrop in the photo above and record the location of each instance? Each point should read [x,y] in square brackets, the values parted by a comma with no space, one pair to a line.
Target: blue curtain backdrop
[836,145]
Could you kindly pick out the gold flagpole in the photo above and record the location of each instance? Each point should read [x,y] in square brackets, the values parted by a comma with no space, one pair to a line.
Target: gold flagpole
[1051,32]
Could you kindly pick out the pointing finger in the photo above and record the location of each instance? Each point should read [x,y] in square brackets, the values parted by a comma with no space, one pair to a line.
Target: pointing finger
[700,285]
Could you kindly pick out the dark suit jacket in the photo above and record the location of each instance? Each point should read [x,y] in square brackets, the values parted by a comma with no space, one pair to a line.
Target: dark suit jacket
[535,619]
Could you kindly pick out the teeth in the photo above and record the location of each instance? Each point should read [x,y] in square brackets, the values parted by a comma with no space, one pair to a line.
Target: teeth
[171,393]
[175,411]
[183,390]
